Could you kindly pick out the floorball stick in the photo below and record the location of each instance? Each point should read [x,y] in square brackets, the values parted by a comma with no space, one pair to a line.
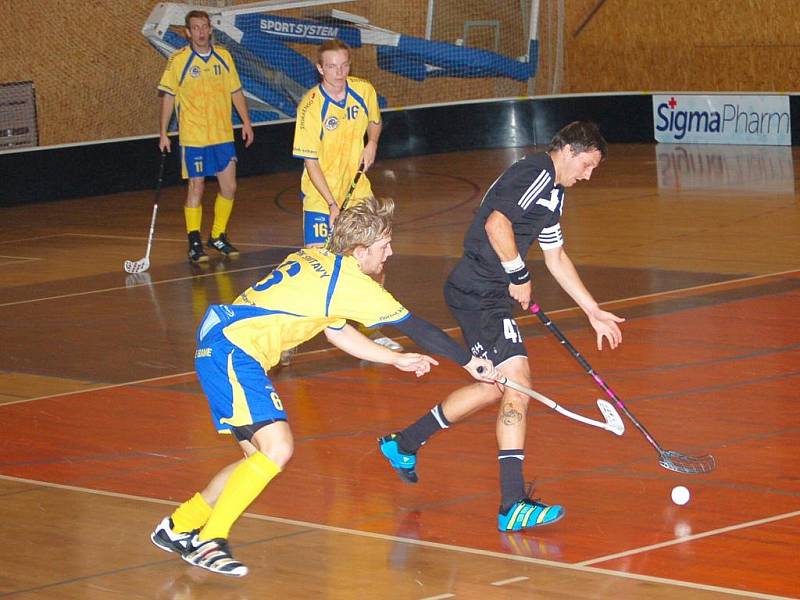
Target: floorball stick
[352,189]
[138,266]
[669,459]
[612,422]
[346,200]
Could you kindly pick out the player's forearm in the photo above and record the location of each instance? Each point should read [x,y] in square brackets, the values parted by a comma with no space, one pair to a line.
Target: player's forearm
[374,132]
[240,103]
[500,232]
[501,236]
[167,106]
[318,180]
[563,271]
[350,340]
[433,340]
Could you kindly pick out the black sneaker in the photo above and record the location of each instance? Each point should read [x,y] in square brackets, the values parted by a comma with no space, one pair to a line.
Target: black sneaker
[222,245]
[196,252]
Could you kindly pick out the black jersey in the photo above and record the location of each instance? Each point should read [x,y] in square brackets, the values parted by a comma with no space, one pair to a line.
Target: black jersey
[527,195]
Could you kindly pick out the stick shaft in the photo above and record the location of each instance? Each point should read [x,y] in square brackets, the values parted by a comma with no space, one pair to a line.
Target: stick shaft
[352,189]
[346,200]
[553,328]
[155,203]
[152,230]
[551,403]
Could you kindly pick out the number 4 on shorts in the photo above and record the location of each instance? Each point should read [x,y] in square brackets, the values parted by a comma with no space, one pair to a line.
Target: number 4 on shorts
[511,331]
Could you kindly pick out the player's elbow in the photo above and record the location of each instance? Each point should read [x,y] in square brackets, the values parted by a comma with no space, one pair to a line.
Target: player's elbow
[496,224]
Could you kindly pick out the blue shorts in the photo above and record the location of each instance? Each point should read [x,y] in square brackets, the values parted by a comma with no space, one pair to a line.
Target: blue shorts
[316,226]
[238,389]
[206,160]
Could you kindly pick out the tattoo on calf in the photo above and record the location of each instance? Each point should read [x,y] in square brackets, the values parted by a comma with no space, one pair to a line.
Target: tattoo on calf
[510,415]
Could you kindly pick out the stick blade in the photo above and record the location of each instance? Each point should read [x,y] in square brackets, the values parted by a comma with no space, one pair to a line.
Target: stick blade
[137,266]
[683,463]
[610,414]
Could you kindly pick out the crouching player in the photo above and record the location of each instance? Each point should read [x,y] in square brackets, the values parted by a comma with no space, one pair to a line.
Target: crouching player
[313,290]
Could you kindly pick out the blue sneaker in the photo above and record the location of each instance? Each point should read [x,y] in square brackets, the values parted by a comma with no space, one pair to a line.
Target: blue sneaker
[528,513]
[404,464]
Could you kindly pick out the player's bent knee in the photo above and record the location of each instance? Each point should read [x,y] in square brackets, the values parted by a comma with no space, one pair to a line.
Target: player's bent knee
[514,399]
[273,438]
[228,190]
[279,452]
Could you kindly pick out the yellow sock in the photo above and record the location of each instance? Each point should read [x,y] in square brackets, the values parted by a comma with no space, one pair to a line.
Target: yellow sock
[194,218]
[222,213]
[246,482]
[191,515]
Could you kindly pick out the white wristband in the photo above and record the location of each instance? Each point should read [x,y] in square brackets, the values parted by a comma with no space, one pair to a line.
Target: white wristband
[510,266]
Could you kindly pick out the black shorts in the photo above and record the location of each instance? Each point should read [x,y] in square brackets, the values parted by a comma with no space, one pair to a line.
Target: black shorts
[486,321]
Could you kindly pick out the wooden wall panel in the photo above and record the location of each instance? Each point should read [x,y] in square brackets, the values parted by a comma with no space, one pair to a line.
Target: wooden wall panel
[683,45]
[95,74]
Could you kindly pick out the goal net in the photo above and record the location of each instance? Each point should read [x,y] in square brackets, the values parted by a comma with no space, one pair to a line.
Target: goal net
[102,82]
[453,50]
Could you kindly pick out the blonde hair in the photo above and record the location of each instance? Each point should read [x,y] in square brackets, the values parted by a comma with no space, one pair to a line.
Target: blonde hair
[362,225]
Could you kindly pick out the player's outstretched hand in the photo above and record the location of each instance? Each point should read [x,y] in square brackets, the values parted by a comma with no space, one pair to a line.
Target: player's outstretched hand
[482,369]
[419,364]
[605,324]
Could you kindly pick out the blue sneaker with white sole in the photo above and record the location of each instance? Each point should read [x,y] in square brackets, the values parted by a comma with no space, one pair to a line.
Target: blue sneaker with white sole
[403,464]
[528,513]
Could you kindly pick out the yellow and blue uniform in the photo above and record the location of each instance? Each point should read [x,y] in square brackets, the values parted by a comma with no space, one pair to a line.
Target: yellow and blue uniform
[332,132]
[237,343]
[202,87]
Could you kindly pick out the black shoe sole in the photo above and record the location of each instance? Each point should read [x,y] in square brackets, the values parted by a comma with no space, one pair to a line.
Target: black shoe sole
[406,475]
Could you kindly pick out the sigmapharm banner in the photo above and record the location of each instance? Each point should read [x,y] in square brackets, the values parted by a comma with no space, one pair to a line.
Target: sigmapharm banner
[723,171]
[721,119]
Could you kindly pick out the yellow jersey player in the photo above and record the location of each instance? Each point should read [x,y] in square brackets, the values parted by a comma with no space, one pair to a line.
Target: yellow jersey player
[200,82]
[332,120]
[312,290]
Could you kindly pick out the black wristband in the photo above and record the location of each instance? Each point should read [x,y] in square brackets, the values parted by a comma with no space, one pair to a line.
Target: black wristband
[519,277]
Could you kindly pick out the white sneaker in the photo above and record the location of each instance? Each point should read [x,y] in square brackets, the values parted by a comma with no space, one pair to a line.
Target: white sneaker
[215,556]
[388,342]
[166,538]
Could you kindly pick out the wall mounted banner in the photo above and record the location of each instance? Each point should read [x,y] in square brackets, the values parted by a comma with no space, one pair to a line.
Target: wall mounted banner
[722,119]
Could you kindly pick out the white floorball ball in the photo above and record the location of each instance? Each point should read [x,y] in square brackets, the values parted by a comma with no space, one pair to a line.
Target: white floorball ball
[680,495]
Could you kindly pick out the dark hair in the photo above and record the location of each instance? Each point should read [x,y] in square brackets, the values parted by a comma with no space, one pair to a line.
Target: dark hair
[197,14]
[582,136]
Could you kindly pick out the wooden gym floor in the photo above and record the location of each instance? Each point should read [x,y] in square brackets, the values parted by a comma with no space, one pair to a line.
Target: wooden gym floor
[105,429]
